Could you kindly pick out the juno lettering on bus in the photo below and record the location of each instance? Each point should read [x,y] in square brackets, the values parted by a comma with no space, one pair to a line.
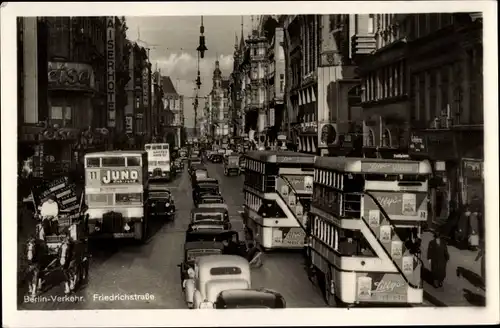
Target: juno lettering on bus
[123,176]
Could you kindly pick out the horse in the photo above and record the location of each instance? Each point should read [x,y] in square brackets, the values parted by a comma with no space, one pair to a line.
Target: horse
[73,263]
[37,256]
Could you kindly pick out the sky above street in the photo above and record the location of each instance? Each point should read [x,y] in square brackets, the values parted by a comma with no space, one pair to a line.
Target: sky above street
[173,41]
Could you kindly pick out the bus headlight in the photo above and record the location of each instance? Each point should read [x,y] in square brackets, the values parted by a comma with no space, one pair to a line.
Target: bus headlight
[126,227]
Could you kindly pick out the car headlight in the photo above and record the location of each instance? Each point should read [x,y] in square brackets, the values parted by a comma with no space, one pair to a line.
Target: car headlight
[153,204]
[167,204]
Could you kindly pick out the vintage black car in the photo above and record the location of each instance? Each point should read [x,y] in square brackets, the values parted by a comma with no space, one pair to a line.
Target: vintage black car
[178,166]
[205,186]
[217,158]
[193,161]
[198,173]
[160,201]
[205,215]
[215,235]
[250,299]
[195,249]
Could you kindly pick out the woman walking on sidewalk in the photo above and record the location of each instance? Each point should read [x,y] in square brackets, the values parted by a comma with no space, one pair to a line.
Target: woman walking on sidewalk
[438,256]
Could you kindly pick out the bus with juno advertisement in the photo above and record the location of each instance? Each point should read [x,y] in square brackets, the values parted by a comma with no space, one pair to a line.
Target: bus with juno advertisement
[116,194]
[364,226]
[277,190]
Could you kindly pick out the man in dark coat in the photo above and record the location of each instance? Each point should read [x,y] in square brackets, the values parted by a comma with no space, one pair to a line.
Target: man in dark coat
[438,257]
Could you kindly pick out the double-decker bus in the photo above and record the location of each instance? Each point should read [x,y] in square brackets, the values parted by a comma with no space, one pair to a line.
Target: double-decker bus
[278,185]
[115,194]
[159,160]
[365,220]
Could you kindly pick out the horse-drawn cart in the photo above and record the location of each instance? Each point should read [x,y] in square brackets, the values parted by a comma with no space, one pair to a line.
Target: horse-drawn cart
[60,243]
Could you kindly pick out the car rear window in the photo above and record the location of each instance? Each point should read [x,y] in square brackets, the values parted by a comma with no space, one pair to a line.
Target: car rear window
[224,271]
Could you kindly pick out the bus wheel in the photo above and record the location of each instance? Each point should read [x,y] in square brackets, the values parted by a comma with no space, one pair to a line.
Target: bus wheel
[329,289]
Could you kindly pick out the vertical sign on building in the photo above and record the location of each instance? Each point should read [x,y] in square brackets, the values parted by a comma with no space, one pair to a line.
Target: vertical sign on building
[145,88]
[110,64]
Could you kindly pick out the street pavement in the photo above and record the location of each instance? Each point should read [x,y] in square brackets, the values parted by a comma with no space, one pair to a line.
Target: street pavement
[121,267]
[456,291]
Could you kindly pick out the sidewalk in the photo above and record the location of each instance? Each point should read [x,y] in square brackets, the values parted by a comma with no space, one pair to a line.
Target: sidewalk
[456,291]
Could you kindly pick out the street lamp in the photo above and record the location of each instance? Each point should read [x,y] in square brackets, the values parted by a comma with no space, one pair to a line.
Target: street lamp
[202,47]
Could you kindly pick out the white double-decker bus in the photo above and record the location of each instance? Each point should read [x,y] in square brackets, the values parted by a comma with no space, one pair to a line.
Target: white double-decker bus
[278,185]
[365,223]
[159,160]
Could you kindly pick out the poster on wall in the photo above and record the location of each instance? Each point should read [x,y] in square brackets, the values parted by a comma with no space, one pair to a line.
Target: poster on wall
[111,76]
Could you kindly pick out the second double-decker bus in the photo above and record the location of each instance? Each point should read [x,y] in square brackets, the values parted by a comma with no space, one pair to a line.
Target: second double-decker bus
[365,221]
[159,165]
[278,185]
[115,194]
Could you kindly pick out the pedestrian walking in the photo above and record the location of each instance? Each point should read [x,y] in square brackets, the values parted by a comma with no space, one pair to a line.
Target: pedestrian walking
[462,228]
[473,230]
[438,257]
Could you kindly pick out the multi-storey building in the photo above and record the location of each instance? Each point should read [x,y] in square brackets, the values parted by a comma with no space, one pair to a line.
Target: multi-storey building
[219,107]
[322,86]
[423,92]
[173,113]
[253,68]
[274,80]
[156,106]
[138,119]
[64,89]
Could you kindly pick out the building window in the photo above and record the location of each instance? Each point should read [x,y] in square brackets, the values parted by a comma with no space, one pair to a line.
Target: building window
[371,23]
[433,85]
[386,138]
[255,51]
[421,97]
[61,115]
[444,82]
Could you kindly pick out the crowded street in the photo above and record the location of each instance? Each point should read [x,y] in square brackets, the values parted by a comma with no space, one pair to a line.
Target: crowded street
[124,267]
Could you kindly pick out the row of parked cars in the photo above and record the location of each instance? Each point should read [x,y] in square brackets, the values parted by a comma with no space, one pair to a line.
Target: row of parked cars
[216,271]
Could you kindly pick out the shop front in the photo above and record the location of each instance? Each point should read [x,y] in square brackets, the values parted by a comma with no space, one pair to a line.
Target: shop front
[457,161]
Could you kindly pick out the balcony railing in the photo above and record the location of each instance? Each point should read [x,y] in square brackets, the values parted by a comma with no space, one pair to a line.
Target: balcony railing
[363,44]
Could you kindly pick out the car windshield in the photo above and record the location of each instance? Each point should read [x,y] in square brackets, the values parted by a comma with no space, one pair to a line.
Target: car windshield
[207,216]
[159,194]
[193,254]
[211,200]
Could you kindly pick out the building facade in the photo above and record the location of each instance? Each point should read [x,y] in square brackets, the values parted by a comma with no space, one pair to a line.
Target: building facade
[274,80]
[172,113]
[323,92]
[138,112]
[423,94]
[219,107]
[63,88]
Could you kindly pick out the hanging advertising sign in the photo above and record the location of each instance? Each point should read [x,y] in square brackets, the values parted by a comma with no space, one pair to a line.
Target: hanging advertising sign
[145,87]
[111,76]
[70,76]
[129,124]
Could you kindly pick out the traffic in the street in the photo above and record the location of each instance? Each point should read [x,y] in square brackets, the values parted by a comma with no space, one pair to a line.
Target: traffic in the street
[150,272]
